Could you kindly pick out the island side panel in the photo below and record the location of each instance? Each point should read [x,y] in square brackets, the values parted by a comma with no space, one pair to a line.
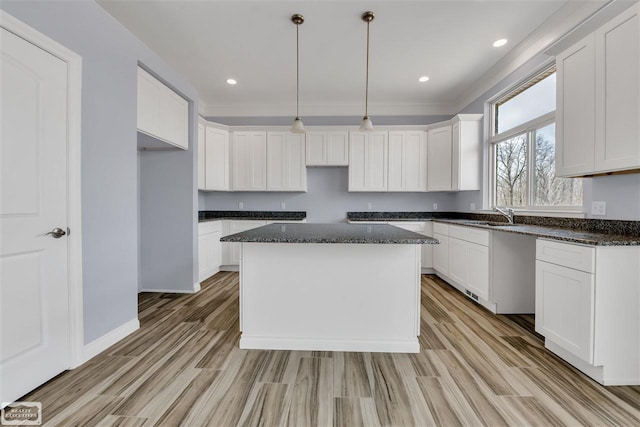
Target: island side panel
[340,297]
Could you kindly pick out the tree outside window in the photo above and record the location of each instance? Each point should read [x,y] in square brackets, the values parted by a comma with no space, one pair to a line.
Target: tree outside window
[523,150]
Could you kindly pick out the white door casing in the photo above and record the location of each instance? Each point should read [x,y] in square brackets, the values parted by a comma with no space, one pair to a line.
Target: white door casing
[41,294]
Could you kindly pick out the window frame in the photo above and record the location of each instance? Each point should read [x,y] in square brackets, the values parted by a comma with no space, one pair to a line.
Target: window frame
[527,128]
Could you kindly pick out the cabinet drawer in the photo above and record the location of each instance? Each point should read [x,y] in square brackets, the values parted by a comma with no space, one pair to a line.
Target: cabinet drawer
[470,234]
[568,255]
[209,227]
[441,228]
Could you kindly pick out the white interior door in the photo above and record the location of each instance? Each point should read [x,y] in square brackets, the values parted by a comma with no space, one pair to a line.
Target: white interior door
[34,295]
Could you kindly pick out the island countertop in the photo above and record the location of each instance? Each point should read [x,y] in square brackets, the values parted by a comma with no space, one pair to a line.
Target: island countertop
[330,233]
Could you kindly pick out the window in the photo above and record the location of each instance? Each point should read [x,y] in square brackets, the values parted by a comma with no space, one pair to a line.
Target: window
[523,150]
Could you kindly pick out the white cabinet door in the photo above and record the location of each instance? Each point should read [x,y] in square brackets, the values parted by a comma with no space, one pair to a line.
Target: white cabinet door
[233,255]
[249,153]
[148,103]
[407,161]
[466,140]
[415,161]
[368,161]
[217,159]
[286,166]
[203,257]
[316,148]
[439,159]
[337,149]
[397,146]
[617,87]
[441,254]
[458,260]
[575,109]
[174,118]
[162,113]
[201,157]
[209,254]
[565,308]
[327,148]
[478,270]
[427,250]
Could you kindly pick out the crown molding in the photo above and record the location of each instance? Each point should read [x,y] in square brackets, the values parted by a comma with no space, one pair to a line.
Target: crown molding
[389,109]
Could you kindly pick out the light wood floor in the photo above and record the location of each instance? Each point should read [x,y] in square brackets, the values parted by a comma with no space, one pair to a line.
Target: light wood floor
[184,367]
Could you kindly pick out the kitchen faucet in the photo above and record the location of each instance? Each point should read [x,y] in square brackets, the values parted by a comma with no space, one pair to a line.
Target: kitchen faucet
[507,213]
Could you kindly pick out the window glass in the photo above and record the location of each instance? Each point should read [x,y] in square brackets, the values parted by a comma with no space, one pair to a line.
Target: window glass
[533,102]
[511,171]
[549,189]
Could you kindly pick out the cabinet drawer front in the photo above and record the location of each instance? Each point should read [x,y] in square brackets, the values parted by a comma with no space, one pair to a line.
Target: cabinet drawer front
[209,227]
[441,228]
[567,255]
[470,234]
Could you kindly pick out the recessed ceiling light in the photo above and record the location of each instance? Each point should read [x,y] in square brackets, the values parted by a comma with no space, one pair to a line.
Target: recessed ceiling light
[231,81]
[423,79]
[499,43]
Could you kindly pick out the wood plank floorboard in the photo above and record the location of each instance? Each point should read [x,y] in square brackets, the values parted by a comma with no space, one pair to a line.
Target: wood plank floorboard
[183,367]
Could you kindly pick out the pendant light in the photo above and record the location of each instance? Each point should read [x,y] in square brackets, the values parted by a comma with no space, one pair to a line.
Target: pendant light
[366,125]
[297,126]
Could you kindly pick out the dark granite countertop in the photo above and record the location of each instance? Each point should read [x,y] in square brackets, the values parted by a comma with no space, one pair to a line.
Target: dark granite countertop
[330,233]
[596,232]
[567,235]
[251,215]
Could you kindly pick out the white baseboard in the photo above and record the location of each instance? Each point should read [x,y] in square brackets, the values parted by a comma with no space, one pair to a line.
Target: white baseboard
[99,345]
[229,268]
[196,287]
[328,344]
[171,291]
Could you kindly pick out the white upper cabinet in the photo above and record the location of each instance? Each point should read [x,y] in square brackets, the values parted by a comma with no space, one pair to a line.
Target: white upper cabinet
[162,113]
[466,156]
[598,94]
[286,167]
[217,159]
[327,148]
[201,157]
[618,93]
[575,109]
[407,161]
[368,161]
[249,154]
[439,145]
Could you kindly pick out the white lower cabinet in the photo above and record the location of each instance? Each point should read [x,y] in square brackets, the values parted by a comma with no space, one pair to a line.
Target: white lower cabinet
[441,251]
[588,307]
[469,260]
[494,268]
[231,250]
[209,248]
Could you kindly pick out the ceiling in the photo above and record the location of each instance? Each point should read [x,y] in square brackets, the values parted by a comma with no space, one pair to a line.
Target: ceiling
[254,42]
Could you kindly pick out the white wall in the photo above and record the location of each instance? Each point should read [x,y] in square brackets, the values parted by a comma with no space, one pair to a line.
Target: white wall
[110,55]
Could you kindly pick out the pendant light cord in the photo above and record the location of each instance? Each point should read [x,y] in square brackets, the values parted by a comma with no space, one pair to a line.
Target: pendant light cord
[366,96]
[297,72]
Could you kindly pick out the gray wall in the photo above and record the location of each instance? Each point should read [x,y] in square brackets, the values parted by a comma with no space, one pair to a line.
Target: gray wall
[109,157]
[327,199]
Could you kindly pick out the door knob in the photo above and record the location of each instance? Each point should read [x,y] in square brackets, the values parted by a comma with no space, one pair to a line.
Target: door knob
[57,233]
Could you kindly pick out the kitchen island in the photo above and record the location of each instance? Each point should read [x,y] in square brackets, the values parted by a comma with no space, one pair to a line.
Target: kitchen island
[330,287]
